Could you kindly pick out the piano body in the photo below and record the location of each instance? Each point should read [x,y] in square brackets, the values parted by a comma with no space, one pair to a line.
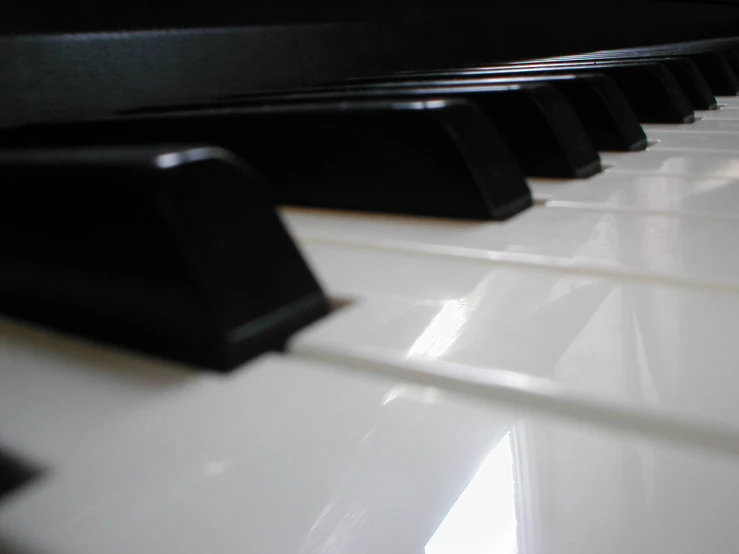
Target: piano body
[369,279]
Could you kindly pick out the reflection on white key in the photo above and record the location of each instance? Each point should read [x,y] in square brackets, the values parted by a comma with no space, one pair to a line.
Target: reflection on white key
[660,347]
[285,456]
[299,456]
[666,162]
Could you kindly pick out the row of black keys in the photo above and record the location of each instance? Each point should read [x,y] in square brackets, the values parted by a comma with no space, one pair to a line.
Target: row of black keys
[177,250]
[454,143]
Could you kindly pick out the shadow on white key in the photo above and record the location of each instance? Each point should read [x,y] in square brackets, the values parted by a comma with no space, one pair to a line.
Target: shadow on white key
[294,456]
[645,246]
[58,392]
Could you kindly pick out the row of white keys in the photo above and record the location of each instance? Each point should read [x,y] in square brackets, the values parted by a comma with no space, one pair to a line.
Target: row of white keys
[290,455]
[708,196]
[676,163]
[629,296]
[688,169]
[649,346]
[705,148]
[644,245]
[58,393]
[652,230]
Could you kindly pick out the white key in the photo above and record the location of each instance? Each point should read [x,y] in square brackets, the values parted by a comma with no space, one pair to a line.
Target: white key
[666,162]
[655,347]
[298,456]
[728,100]
[646,193]
[702,125]
[57,392]
[723,113]
[270,459]
[695,141]
[648,246]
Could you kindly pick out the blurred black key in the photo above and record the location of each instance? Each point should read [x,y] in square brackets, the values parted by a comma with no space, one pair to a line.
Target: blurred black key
[172,251]
[651,89]
[422,156]
[686,72]
[536,121]
[732,58]
[603,110]
[719,75]
[693,82]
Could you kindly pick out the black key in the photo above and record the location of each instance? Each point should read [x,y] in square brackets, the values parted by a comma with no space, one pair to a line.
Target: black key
[536,121]
[685,70]
[422,156]
[14,474]
[605,112]
[732,58]
[602,108]
[692,81]
[650,88]
[718,73]
[171,251]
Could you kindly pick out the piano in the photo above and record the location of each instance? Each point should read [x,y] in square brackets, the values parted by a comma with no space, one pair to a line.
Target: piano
[377,278]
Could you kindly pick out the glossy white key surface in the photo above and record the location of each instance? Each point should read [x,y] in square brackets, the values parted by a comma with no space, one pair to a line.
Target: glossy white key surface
[564,382]
[298,456]
[283,456]
[658,347]
[658,246]
[708,124]
[58,392]
[677,163]
[723,113]
[695,141]
[647,193]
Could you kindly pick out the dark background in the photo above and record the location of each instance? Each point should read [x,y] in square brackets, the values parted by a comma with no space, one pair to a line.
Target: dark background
[90,58]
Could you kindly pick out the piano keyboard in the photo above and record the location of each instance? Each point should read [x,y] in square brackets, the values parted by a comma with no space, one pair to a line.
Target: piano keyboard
[537,356]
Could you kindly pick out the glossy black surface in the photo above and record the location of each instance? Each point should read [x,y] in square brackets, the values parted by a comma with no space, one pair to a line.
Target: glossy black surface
[89,59]
[693,83]
[172,251]
[651,89]
[716,61]
[430,156]
[718,73]
[535,120]
[600,105]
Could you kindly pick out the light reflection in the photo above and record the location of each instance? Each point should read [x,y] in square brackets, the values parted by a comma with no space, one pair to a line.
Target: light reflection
[213,469]
[447,326]
[442,331]
[483,520]
[415,393]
